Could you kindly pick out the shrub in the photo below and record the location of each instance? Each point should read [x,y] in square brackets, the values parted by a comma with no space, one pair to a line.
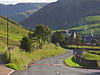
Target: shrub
[26,44]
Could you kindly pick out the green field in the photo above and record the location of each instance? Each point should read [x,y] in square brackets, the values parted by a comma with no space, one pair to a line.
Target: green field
[82,47]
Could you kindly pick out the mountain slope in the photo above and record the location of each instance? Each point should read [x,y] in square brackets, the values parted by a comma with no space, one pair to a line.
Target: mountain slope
[18,17]
[15,11]
[63,13]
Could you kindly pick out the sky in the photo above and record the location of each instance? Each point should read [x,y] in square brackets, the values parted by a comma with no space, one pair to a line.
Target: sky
[24,1]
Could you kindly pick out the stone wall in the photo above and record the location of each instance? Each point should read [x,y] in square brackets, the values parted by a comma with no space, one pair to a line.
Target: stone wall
[90,63]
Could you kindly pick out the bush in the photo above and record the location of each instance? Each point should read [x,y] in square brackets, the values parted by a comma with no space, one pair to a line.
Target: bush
[57,37]
[26,44]
[57,45]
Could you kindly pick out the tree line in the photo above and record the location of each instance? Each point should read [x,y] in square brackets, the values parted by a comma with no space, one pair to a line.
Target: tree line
[42,35]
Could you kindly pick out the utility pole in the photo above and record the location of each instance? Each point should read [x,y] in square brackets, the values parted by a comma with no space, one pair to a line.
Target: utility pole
[7,33]
[8,40]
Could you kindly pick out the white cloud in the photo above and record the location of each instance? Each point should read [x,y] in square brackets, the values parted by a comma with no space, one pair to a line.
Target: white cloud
[18,1]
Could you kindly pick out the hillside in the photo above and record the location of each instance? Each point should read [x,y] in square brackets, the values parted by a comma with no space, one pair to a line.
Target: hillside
[16,32]
[89,26]
[20,11]
[63,13]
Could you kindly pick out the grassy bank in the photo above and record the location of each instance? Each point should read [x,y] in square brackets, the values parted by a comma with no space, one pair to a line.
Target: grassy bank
[70,62]
[20,61]
[16,32]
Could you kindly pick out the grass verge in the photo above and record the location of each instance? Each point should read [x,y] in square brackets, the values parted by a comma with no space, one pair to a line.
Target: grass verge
[70,62]
[20,61]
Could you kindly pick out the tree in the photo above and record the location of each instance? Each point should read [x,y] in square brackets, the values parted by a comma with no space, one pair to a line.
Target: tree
[57,37]
[30,35]
[26,44]
[37,38]
[66,41]
[43,34]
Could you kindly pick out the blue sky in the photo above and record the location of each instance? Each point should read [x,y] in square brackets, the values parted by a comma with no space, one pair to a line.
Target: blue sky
[24,1]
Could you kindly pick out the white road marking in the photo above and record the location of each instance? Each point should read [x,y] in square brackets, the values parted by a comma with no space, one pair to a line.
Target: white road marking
[57,72]
[11,72]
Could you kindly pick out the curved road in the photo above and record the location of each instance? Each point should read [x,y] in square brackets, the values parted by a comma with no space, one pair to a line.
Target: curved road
[55,66]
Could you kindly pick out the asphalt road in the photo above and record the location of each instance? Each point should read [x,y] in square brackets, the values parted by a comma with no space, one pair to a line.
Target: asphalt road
[55,66]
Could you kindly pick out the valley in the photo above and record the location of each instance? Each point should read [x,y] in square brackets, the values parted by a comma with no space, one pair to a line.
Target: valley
[50,38]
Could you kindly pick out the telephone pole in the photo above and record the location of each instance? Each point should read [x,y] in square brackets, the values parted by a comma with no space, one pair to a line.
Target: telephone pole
[8,40]
[7,33]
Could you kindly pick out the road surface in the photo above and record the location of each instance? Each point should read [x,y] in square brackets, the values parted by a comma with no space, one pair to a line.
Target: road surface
[55,66]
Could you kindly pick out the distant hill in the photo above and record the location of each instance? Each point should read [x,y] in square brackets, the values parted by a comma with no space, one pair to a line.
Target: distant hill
[20,11]
[63,13]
